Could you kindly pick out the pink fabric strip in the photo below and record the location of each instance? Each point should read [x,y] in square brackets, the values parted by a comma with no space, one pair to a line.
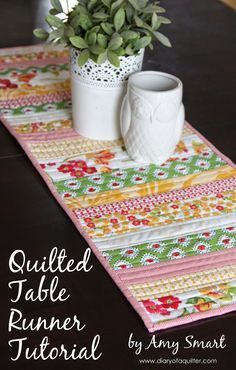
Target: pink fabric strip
[35,100]
[60,134]
[168,273]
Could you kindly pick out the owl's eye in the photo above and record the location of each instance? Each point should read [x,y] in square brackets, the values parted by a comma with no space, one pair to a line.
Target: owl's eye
[141,109]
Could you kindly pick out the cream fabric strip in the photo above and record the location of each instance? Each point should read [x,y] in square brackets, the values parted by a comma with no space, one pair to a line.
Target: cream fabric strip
[183,283]
[165,232]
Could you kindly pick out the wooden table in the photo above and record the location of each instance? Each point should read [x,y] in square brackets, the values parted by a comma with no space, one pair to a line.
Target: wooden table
[204,57]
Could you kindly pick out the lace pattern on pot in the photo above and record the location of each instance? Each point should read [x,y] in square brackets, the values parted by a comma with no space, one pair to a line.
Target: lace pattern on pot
[105,75]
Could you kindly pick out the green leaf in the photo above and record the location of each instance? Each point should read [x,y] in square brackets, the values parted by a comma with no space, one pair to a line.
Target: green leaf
[94,57]
[115,42]
[83,57]
[147,30]
[107,28]
[96,49]
[54,21]
[100,15]
[139,22]
[78,42]
[107,3]
[54,12]
[102,40]
[129,50]
[113,58]
[85,22]
[95,29]
[79,9]
[82,2]
[142,3]
[57,5]
[163,39]
[102,58]
[129,35]
[129,12]
[62,40]
[116,5]
[164,20]
[134,4]
[74,22]
[142,42]
[151,46]
[56,34]
[91,4]
[92,38]
[69,31]
[153,8]
[119,19]
[82,20]
[155,21]
[41,34]
[120,51]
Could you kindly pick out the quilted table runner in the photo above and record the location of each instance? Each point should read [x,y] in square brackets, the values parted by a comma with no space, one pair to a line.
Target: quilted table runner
[165,234]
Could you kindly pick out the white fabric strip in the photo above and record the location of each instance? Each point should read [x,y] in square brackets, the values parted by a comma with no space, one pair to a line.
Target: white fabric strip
[165,232]
[39,117]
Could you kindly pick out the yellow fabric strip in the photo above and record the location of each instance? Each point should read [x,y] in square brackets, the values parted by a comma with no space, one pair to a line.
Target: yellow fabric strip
[37,90]
[143,190]
[206,206]
[70,147]
[180,284]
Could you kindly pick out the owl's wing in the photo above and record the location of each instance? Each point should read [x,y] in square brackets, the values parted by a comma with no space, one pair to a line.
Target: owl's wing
[165,111]
[141,109]
[125,116]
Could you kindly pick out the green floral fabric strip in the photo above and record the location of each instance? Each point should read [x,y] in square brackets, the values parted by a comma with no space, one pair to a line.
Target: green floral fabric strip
[50,68]
[135,176]
[155,252]
[41,108]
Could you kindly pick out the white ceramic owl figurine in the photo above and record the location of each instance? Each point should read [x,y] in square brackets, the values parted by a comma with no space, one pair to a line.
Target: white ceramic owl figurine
[152,116]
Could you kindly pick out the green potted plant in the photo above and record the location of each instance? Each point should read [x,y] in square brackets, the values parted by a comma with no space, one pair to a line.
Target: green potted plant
[107,39]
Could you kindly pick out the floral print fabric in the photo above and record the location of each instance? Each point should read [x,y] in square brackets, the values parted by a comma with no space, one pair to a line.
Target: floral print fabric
[200,300]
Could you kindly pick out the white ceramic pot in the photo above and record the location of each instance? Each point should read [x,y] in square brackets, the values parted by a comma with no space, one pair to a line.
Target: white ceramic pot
[152,116]
[97,94]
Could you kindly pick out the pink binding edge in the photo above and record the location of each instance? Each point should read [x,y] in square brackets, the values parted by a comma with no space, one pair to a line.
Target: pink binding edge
[137,306]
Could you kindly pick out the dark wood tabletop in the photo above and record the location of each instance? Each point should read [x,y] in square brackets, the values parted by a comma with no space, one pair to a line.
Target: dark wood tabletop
[204,57]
